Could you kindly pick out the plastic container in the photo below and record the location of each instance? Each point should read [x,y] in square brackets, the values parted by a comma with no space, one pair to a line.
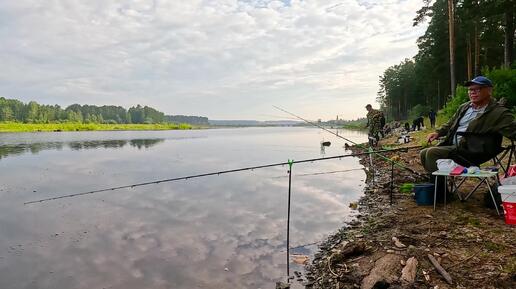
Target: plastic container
[424,194]
[508,194]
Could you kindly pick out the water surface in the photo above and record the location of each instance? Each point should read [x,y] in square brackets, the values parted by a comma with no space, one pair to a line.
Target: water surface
[225,231]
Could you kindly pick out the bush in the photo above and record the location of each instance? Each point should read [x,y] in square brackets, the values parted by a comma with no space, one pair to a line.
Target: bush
[461,96]
[504,81]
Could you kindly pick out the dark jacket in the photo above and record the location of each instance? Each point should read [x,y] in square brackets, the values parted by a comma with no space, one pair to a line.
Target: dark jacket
[483,137]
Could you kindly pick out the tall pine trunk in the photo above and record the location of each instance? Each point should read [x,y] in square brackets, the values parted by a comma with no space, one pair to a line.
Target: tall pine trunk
[451,31]
[468,56]
[476,70]
[509,34]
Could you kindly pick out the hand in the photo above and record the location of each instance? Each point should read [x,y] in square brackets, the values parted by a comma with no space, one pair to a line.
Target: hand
[431,137]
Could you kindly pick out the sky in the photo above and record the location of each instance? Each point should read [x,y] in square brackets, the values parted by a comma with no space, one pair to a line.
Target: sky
[223,59]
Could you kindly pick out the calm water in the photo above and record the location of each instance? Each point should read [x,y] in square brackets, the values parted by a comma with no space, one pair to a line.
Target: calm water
[224,231]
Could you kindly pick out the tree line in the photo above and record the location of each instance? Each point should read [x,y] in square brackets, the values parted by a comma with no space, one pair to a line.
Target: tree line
[32,112]
[482,43]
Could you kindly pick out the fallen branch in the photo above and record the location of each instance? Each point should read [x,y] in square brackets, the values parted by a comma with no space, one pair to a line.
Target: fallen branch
[440,269]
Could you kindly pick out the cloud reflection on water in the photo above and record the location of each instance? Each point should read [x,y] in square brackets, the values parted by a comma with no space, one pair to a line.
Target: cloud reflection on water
[173,235]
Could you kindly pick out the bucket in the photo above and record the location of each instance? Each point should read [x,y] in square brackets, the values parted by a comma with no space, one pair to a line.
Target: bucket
[509,210]
[508,194]
[424,194]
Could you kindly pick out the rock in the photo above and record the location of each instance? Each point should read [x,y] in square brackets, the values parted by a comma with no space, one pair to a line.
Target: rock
[282,285]
[385,269]
[397,243]
[408,273]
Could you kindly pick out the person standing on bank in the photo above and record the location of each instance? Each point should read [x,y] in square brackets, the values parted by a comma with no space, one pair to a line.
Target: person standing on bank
[481,116]
[432,115]
[374,122]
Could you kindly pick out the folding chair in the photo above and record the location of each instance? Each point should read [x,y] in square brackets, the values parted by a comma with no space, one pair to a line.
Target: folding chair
[497,160]
[478,149]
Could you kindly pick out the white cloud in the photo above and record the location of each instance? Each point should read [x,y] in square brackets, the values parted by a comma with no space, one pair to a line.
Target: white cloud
[221,59]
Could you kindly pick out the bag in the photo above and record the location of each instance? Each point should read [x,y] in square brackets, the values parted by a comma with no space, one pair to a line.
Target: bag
[511,172]
[446,165]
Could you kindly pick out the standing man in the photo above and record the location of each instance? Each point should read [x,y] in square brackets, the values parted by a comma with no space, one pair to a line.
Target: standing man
[374,121]
[432,115]
[481,116]
[382,124]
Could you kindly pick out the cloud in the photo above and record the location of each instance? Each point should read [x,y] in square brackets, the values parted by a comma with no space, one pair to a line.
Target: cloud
[221,59]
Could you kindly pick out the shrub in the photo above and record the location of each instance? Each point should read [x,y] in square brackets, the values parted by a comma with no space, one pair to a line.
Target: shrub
[504,81]
[461,96]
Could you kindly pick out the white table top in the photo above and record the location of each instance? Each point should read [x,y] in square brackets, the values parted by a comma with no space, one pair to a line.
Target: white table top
[480,174]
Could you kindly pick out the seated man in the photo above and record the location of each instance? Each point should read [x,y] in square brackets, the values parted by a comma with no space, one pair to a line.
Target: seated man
[483,117]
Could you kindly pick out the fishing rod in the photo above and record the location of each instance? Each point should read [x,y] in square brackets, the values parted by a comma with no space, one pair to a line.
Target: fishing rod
[358,145]
[199,176]
[321,173]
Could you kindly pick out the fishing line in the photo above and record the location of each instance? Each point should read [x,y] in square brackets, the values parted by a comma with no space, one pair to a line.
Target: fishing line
[320,173]
[199,176]
[358,145]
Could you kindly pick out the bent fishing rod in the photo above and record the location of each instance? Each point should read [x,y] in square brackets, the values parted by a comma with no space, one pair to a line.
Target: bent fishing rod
[202,175]
[358,145]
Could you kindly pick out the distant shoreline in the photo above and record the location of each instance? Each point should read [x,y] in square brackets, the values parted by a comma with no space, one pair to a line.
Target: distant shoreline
[60,127]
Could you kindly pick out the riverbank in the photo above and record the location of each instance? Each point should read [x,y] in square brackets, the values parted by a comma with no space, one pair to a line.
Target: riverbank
[38,127]
[471,242]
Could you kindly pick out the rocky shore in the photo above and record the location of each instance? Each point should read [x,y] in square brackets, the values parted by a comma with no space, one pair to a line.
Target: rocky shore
[402,245]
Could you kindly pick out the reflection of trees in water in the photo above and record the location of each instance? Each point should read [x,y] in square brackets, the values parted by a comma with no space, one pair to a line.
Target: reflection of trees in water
[18,149]
[107,144]
[146,143]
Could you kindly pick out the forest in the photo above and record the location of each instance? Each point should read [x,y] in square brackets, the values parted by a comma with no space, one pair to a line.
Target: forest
[12,110]
[481,42]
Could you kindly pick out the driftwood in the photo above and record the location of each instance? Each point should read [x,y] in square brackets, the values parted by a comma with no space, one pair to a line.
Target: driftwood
[349,251]
[408,274]
[440,269]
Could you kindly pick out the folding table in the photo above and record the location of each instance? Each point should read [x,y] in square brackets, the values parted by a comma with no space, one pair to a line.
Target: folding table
[484,177]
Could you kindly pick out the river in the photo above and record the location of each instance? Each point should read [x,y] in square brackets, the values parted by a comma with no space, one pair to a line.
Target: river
[225,231]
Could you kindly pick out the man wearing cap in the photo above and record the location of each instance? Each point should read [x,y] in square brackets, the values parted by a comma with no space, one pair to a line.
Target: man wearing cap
[374,122]
[481,117]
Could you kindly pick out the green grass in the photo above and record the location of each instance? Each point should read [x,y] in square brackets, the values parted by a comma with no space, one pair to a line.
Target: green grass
[494,247]
[68,126]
